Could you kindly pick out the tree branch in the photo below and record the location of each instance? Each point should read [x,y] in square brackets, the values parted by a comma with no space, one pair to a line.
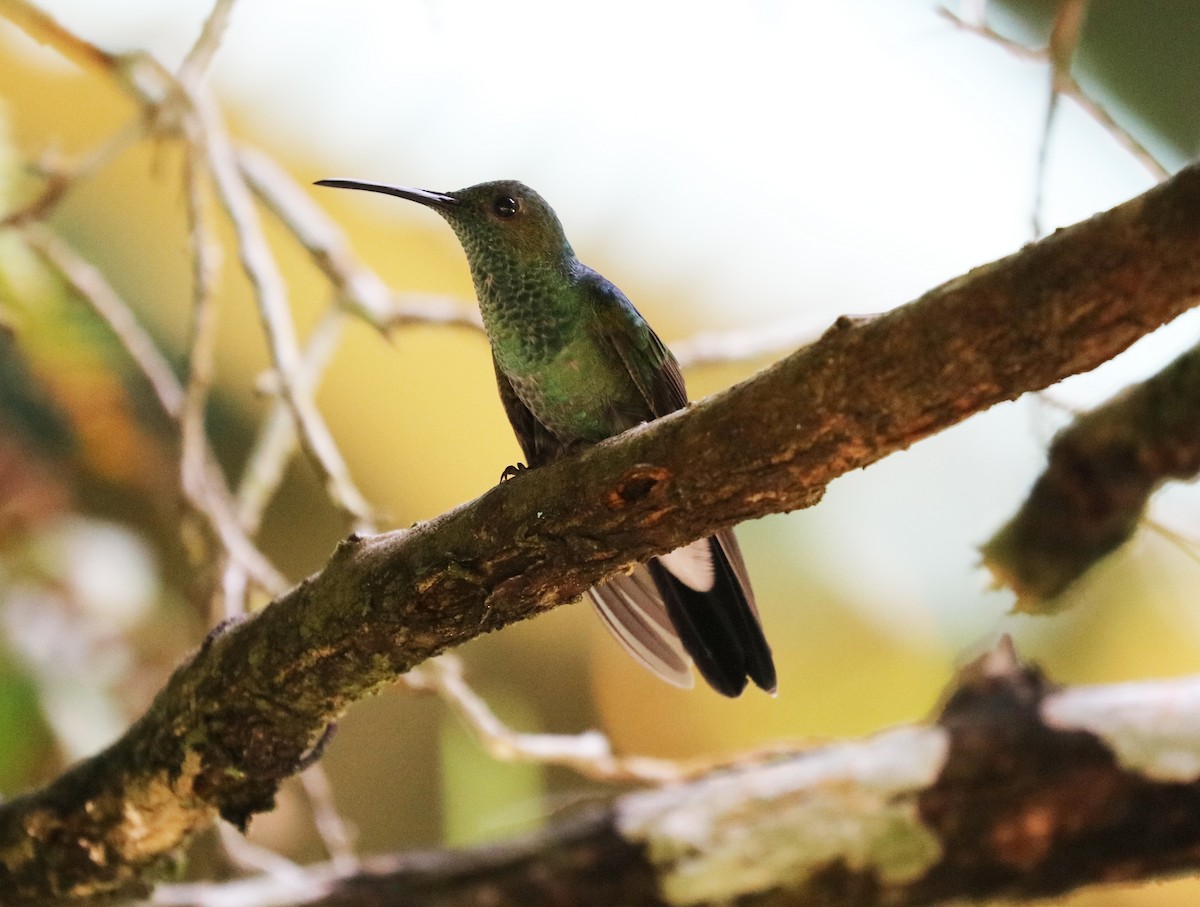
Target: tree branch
[238,717]
[1092,496]
[1018,791]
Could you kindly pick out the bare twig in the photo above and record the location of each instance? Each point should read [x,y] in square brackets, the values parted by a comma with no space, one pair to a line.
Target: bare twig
[270,291]
[60,176]
[196,62]
[276,440]
[358,288]
[89,284]
[1188,545]
[212,497]
[173,104]
[335,833]
[709,347]
[1064,39]
[247,855]
[273,448]
[46,30]
[1067,86]
[1122,135]
[589,753]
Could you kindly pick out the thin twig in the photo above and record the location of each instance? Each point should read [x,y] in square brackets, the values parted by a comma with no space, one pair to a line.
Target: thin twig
[45,30]
[1122,135]
[359,288]
[89,284]
[588,753]
[214,500]
[205,256]
[709,347]
[1187,544]
[336,834]
[60,176]
[1069,87]
[200,56]
[273,449]
[247,855]
[1064,39]
[271,294]
[276,440]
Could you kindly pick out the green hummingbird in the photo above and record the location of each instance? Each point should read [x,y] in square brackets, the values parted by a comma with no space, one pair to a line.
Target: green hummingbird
[576,363]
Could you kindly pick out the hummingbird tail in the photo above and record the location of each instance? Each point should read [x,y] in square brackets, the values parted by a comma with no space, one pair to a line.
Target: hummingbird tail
[712,609]
[633,612]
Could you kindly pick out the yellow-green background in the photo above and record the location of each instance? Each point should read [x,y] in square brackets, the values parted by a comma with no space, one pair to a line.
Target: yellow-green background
[864,635]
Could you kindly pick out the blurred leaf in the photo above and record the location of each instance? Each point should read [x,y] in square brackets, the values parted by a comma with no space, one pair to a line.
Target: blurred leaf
[26,745]
[483,798]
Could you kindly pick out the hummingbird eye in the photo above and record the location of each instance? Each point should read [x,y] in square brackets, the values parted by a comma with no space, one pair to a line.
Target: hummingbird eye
[505,206]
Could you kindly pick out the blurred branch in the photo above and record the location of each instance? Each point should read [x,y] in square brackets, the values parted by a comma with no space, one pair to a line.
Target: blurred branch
[335,833]
[176,105]
[45,30]
[589,753]
[61,176]
[1103,468]
[271,293]
[90,286]
[1064,39]
[241,714]
[206,490]
[359,289]
[205,48]
[709,347]
[1019,791]
[276,440]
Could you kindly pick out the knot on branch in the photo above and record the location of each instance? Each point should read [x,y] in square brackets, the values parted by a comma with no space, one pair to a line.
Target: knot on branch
[639,483]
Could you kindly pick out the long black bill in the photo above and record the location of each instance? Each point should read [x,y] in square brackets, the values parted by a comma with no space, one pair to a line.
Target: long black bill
[421,196]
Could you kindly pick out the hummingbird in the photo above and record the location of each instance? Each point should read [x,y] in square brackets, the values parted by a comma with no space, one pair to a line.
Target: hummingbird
[576,363]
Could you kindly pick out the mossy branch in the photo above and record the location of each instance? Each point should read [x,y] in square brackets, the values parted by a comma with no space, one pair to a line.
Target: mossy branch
[1102,469]
[1018,791]
[239,716]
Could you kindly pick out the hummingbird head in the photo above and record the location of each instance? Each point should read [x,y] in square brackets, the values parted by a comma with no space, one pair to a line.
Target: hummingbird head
[502,218]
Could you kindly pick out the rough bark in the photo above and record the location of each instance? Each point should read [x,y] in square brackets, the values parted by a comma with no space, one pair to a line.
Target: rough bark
[1019,791]
[1102,469]
[238,717]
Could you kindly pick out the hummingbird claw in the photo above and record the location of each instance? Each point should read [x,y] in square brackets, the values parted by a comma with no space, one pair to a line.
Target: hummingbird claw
[511,472]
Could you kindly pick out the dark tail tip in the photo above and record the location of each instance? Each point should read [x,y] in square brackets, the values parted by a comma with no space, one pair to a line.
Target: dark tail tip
[719,627]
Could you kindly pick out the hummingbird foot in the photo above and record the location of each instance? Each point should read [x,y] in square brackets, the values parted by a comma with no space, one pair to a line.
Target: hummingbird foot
[511,472]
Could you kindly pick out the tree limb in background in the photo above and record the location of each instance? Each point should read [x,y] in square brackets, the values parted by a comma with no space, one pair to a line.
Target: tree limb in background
[1103,468]
[590,753]
[1019,791]
[242,713]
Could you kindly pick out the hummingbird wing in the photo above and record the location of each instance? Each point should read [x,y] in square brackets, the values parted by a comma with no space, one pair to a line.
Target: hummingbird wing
[630,606]
[538,444]
[633,611]
[703,586]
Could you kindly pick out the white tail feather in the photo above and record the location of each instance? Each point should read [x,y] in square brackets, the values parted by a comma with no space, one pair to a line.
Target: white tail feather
[692,565]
